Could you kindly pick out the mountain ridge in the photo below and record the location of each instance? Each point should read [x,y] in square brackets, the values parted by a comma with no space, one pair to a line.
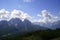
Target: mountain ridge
[17,26]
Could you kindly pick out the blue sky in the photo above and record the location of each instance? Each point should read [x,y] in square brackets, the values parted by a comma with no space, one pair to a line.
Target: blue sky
[32,7]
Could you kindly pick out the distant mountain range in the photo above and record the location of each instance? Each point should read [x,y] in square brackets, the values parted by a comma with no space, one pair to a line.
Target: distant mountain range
[53,25]
[15,25]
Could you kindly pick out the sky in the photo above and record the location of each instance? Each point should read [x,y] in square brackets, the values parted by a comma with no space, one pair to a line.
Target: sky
[37,10]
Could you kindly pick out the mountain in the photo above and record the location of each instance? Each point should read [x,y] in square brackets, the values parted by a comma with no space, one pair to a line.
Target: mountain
[5,28]
[16,22]
[3,23]
[17,26]
[56,24]
[27,25]
[50,25]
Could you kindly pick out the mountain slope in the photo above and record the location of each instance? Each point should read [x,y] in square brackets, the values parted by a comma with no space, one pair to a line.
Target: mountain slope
[49,25]
[15,26]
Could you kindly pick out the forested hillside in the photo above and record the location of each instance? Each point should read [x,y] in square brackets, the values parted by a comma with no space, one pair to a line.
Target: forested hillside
[36,35]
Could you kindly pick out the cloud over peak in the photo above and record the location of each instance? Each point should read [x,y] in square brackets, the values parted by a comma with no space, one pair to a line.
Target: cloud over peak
[19,14]
[47,17]
[6,15]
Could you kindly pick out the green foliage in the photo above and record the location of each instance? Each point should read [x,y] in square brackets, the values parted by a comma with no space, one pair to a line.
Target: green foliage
[56,38]
[37,35]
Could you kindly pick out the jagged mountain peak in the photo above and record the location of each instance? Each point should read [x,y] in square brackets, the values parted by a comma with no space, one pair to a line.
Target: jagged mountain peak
[26,20]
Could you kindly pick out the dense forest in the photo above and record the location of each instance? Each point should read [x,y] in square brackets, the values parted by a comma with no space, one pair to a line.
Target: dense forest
[36,35]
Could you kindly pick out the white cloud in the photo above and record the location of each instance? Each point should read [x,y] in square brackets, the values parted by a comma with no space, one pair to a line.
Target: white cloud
[16,13]
[27,0]
[46,17]
[25,16]
[4,14]
[19,14]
